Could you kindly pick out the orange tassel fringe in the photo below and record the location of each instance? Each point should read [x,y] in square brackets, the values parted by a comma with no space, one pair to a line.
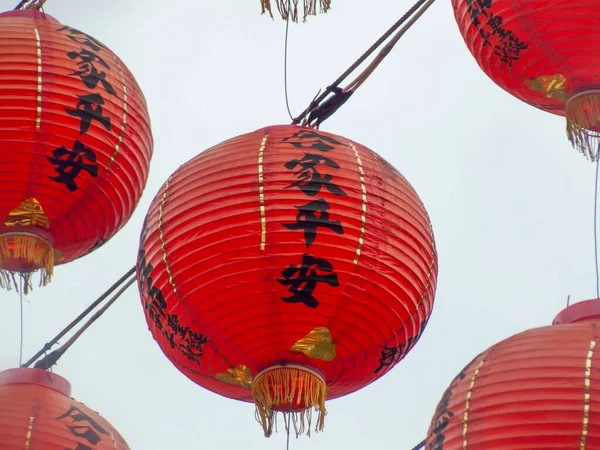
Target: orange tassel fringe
[310,8]
[583,119]
[30,248]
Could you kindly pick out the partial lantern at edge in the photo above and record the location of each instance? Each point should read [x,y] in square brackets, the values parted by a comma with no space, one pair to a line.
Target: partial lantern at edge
[544,52]
[37,412]
[539,389]
[287,266]
[310,8]
[75,145]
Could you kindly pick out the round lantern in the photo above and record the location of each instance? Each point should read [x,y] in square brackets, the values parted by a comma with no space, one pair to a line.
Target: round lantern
[310,8]
[543,52]
[36,412]
[287,266]
[535,390]
[75,144]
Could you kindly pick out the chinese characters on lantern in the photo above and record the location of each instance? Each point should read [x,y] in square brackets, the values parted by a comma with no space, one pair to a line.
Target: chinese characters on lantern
[489,25]
[392,355]
[313,216]
[186,340]
[71,160]
[87,431]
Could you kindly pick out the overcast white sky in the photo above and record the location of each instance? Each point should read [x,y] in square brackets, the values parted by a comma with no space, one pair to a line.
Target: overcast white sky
[511,204]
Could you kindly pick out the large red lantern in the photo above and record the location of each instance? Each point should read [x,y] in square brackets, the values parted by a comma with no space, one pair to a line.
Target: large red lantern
[37,412]
[75,144]
[287,266]
[310,8]
[543,52]
[535,390]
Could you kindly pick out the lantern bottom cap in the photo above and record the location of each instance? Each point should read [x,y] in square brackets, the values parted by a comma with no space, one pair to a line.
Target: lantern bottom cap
[22,253]
[582,111]
[293,390]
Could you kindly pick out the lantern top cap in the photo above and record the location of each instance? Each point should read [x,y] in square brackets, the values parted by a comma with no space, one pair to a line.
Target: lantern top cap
[587,310]
[36,376]
[29,13]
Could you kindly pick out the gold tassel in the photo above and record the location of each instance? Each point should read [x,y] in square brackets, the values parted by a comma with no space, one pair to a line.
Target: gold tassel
[583,123]
[310,8]
[28,247]
[281,386]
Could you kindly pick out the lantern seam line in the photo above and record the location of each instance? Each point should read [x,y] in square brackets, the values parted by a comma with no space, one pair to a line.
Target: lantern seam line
[468,402]
[586,395]
[261,193]
[124,120]
[38,41]
[162,236]
[363,186]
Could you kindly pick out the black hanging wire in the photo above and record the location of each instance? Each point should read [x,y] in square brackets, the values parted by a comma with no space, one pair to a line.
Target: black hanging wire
[48,346]
[22,286]
[321,108]
[420,445]
[285,61]
[35,4]
[596,230]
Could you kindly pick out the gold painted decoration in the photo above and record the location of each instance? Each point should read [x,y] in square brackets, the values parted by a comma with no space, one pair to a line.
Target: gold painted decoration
[237,376]
[552,86]
[317,344]
[28,213]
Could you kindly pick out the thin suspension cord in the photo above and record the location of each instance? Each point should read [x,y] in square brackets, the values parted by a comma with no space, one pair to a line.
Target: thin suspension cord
[420,445]
[596,230]
[285,61]
[22,287]
[79,318]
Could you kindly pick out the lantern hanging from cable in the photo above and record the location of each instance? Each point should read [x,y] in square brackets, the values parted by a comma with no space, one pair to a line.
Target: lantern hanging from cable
[75,145]
[37,412]
[533,390]
[287,266]
[289,8]
[544,52]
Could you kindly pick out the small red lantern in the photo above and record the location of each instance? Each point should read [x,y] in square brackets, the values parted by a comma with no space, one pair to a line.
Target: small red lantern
[310,8]
[36,412]
[287,266]
[543,52]
[536,389]
[76,144]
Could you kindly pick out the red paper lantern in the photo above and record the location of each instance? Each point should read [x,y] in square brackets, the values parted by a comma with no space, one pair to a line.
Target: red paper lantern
[76,144]
[544,52]
[535,390]
[310,8]
[36,412]
[285,266]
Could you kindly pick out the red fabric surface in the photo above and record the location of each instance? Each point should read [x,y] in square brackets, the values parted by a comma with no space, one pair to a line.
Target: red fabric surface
[214,299]
[86,197]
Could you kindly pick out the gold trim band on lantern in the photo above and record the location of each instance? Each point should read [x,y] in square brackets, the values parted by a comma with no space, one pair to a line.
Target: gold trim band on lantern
[38,41]
[586,395]
[468,403]
[363,185]
[124,120]
[161,235]
[261,193]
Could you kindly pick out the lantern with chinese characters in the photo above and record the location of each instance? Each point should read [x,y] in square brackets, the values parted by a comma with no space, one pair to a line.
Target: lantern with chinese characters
[75,145]
[36,412]
[543,52]
[535,390]
[310,8]
[287,266]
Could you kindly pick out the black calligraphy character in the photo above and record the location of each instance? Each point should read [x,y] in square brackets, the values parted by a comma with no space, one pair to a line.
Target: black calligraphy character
[88,71]
[494,24]
[312,139]
[477,7]
[81,38]
[307,220]
[155,303]
[89,108]
[83,426]
[192,346]
[70,163]
[302,280]
[176,329]
[310,179]
[510,50]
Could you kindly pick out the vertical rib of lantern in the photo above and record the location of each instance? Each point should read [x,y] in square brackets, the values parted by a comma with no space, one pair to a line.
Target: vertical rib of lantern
[583,122]
[293,390]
